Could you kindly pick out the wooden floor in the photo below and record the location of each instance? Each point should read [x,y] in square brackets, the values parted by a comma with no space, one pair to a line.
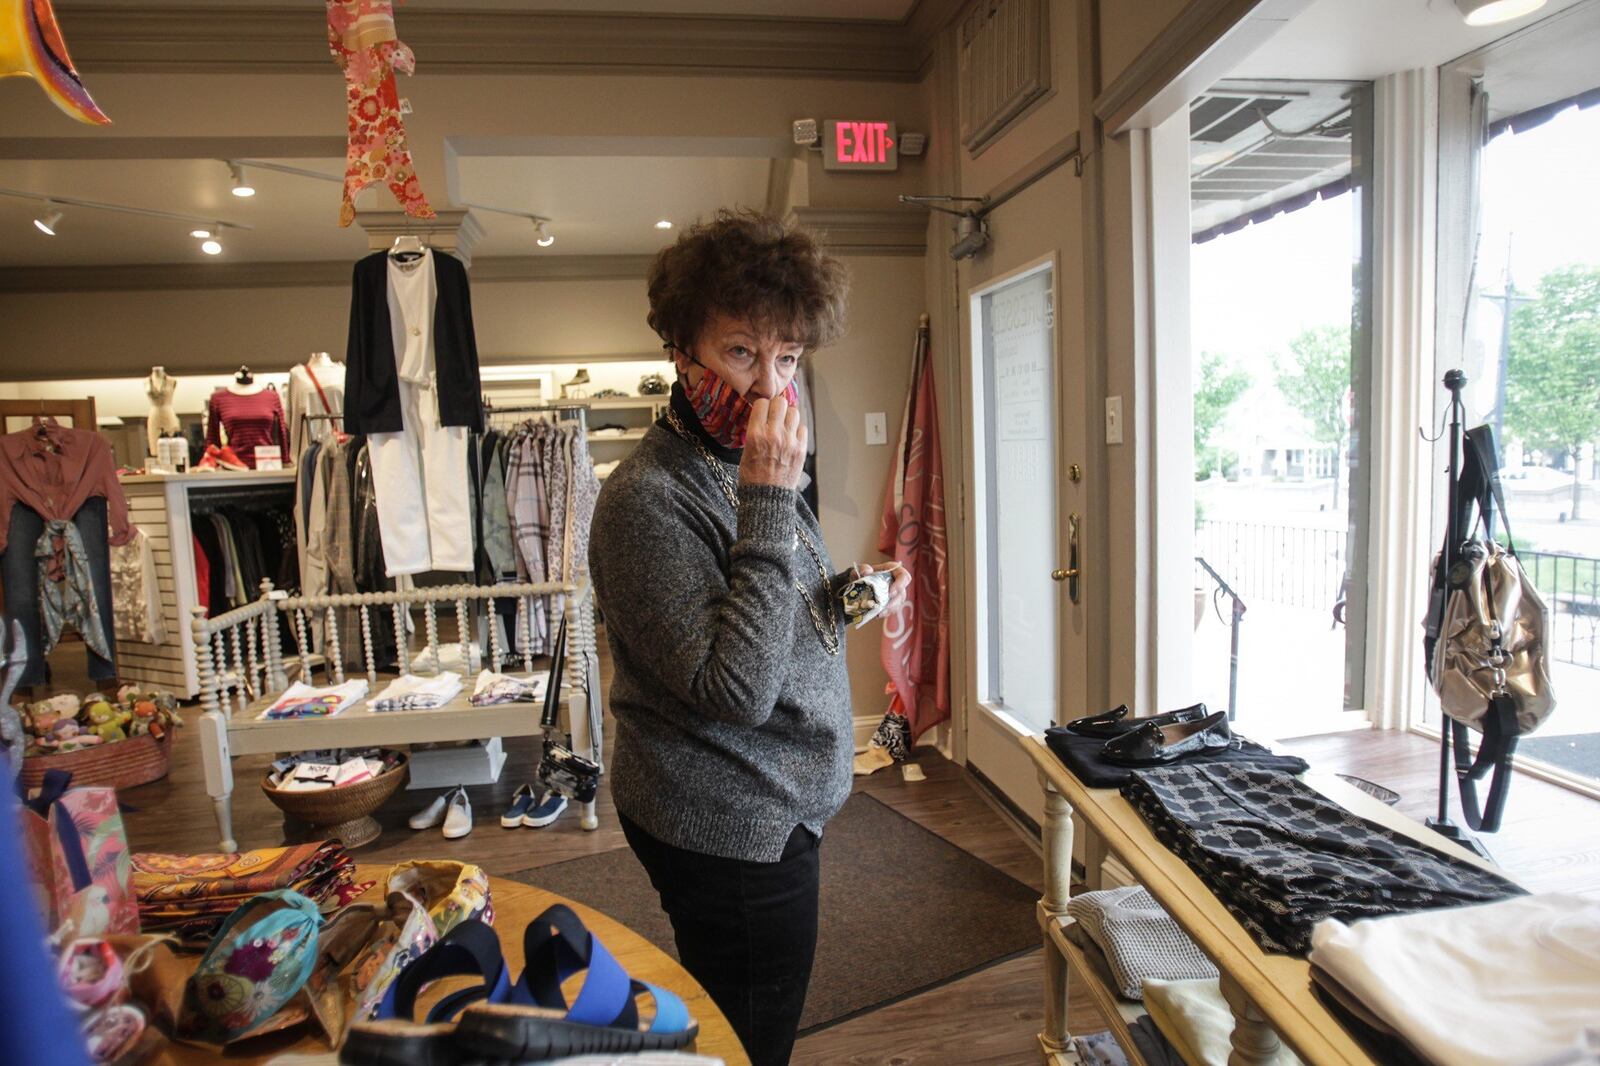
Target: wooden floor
[1551,841]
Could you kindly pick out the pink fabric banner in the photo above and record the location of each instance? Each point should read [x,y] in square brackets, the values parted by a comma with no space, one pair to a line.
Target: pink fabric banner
[916,635]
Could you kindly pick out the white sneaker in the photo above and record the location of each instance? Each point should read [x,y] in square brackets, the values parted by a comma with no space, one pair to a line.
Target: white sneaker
[432,814]
[458,818]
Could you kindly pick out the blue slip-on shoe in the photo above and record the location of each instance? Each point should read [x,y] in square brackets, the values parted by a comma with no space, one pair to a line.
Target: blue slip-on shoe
[547,810]
[522,801]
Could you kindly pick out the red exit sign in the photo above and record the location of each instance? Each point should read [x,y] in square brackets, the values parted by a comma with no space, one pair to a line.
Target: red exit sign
[868,145]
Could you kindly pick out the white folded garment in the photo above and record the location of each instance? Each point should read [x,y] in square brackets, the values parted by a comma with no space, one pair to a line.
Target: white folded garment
[301,700]
[1512,983]
[492,688]
[409,692]
[1198,1021]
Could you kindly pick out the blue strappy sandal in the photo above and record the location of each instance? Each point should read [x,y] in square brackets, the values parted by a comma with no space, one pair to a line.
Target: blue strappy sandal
[534,1021]
[395,1038]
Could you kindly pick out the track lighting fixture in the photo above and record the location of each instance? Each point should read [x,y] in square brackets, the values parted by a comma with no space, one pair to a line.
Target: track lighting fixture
[47,222]
[200,234]
[241,185]
[1488,12]
[211,246]
[663,224]
[545,239]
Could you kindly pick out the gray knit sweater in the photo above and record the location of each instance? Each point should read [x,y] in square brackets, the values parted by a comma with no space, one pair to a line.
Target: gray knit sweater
[733,723]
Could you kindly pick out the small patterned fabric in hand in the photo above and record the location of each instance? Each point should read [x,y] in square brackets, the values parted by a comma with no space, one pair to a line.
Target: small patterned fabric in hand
[361,36]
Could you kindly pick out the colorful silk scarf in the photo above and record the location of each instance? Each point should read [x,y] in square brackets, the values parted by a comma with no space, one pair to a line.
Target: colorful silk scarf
[361,36]
[723,412]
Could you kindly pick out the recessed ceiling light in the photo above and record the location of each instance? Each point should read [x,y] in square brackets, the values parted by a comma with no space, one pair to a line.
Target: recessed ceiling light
[200,234]
[47,222]
[241,186]
[211,246]
[1488,12]
[663,224]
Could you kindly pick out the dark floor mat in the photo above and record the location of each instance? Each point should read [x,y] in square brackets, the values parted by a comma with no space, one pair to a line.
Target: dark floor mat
[1579,753]
[902,909]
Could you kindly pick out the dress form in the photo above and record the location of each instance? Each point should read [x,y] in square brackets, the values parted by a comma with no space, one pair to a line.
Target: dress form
[159,388]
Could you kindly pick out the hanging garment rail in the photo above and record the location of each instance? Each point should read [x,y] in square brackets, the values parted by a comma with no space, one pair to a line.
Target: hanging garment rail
[206,501]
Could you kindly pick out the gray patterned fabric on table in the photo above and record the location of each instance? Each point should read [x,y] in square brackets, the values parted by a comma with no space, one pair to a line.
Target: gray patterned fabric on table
[1282,856]
[1138,938]
[1099,1049]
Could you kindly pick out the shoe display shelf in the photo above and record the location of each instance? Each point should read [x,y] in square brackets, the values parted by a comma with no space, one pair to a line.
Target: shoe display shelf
[165,507]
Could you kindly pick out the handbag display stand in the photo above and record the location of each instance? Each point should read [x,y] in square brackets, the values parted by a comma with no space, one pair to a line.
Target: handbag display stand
[1493,754]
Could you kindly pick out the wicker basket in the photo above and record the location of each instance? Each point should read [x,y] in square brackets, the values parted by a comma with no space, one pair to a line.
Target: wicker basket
[120,764]
[344,813]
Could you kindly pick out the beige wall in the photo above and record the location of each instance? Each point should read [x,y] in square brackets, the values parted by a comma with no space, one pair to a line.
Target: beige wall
[1127,27]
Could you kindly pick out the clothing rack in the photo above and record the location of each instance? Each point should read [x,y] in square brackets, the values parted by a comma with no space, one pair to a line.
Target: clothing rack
[579,410]
[203,501]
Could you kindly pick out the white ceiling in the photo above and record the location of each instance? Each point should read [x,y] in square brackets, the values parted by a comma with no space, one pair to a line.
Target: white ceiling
[864,10]
[602,205]
[1366,39]
[598,205]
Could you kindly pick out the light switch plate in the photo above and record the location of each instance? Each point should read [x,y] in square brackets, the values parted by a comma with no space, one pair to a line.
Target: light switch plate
[877,428]
[1113,419]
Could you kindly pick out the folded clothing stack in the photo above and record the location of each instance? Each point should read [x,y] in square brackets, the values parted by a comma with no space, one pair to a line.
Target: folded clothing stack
[492,688]
[1282,857]
[190,895]
[408,692]
[1138,939]
[1082,757]
[301,700]
[1511,982]
[1198,1022]
[313,771]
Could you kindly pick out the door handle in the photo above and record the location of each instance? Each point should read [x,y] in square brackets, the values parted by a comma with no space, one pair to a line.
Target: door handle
[1071,573]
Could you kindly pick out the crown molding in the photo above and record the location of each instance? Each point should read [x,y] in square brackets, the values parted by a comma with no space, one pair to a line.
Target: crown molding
[330,273]
[866,231]
[281,40]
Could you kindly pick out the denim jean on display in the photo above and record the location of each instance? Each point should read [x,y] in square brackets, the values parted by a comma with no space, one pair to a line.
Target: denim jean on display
[747,931]
[21,573]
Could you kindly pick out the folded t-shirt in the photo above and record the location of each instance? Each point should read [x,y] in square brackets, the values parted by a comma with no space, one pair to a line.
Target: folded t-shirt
[1081,755]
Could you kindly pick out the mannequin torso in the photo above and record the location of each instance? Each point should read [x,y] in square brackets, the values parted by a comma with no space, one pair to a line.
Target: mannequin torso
[159,388]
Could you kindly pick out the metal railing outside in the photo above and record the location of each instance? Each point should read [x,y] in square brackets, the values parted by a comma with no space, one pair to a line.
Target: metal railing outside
[1290,565]
[1570,585]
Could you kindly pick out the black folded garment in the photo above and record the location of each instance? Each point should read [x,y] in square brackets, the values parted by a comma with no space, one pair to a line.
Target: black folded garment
[1376,1038]
[1081,755]
[1281,856]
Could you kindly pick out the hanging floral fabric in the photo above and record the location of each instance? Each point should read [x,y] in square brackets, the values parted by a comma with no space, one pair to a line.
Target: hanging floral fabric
[916,634]
[361,36]
[31,46]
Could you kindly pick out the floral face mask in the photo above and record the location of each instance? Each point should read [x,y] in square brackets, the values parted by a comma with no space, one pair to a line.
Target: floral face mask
[724,412]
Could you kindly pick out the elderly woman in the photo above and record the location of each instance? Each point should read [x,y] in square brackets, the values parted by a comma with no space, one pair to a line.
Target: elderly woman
[731,698]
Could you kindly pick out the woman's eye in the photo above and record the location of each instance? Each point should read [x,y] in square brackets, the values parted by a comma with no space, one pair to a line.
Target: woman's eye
[739,351]
[789,360]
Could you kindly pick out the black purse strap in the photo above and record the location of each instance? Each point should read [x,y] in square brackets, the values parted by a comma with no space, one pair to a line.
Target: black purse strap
[1495,753]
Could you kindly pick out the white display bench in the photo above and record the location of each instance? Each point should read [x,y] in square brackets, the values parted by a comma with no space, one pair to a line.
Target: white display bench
[162,506]
[242,672]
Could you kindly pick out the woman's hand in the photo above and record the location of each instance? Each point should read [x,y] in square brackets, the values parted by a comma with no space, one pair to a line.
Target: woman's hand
[898,588]
[774,445]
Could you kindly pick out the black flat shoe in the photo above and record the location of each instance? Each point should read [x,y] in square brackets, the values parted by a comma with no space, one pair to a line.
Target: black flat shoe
[1116,723]
[1150,744]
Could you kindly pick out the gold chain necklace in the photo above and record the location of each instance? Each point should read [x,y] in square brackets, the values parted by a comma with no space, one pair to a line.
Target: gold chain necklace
[827,629]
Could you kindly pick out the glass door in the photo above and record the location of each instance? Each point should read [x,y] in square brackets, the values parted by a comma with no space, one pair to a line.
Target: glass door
[1015,343]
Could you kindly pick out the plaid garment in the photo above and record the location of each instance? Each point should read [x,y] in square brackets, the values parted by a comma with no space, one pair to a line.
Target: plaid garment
[1281,856]
[525,504]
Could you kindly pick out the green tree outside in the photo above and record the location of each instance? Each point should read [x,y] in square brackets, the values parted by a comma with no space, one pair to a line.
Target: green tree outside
[1315,378]
[1218,384]
[1553,370]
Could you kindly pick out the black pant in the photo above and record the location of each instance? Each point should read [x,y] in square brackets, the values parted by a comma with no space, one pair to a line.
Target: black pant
[747,931]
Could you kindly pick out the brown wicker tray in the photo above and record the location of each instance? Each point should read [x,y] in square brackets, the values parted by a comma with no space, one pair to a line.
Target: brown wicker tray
[343,813]
[121,764]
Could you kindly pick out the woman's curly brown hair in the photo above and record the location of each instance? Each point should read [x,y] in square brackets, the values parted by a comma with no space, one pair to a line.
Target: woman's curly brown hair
[748,265]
